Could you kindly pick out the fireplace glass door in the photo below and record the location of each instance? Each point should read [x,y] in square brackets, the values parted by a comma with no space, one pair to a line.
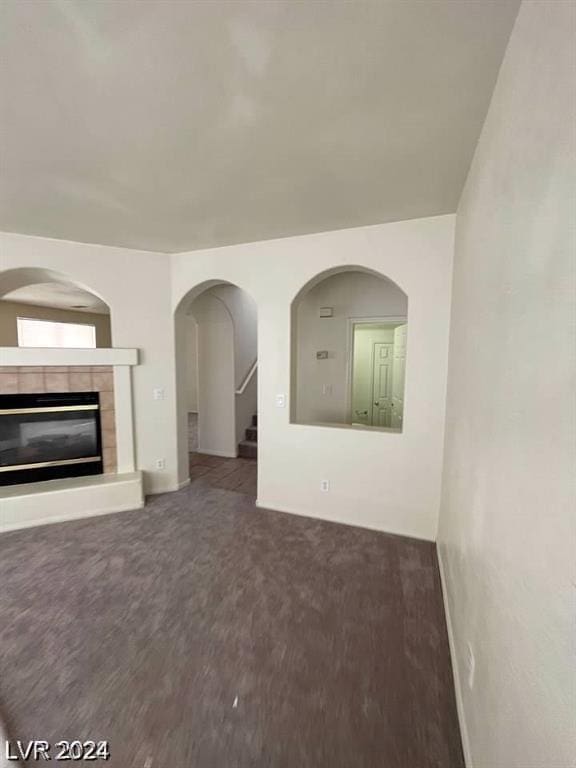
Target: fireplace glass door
[49,435]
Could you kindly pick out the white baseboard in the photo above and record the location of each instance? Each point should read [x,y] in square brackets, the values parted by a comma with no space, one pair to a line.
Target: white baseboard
[223,454]
[57,501]
[332,519]
[455,669]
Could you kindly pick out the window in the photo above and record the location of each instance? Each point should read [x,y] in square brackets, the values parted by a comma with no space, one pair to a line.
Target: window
[45,333]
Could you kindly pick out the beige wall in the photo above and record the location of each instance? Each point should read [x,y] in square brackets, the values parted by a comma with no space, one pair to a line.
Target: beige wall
[507,533]
[10,310]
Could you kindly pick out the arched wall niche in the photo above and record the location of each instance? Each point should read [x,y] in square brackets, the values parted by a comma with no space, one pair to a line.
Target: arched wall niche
[13,279]
[45,294]
[215,330]
[342,269]
[348,350]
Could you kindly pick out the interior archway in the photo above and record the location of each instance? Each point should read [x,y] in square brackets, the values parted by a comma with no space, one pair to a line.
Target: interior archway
[42,307]
[216,363]
[349,332]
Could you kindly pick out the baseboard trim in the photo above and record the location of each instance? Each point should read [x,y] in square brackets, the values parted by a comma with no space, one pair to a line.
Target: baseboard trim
[455,669]
[158,490]
[330,519]
[223,454]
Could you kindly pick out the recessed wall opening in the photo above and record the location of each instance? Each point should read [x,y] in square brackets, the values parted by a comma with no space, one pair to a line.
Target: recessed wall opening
[40,308]
[216,365]
[57,420]
[349,343]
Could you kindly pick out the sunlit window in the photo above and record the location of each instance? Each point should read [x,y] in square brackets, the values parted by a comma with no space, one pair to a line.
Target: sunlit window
[45,333]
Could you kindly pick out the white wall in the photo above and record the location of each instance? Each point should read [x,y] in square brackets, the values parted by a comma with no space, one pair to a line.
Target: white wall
[190,363]
[216,406]
[404,494]
[350,294]
[244,314]
[136,287]
[507,527]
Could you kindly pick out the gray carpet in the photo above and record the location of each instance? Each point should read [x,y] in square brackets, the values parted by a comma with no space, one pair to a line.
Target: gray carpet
[202,632]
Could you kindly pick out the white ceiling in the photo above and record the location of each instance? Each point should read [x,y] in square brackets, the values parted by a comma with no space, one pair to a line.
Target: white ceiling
[174,124]
[58,295]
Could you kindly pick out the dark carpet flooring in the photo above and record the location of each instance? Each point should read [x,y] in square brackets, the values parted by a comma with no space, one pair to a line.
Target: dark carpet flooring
[202,632]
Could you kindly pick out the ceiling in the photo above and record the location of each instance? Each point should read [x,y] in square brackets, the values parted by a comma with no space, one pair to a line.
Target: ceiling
[58,295]
[172,125]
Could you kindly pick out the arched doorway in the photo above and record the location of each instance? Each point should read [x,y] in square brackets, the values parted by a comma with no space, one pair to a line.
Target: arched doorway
[216,378]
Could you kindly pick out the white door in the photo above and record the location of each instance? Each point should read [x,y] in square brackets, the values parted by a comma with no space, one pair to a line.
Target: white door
[398,376]
[383,357]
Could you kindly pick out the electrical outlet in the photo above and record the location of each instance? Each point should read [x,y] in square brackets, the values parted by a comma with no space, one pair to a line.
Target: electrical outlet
[158,393]
[160,464]
[324,486]
[327,389]
[280,401]
[471,664]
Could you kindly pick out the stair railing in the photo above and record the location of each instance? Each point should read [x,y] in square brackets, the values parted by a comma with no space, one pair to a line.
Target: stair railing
[247,378]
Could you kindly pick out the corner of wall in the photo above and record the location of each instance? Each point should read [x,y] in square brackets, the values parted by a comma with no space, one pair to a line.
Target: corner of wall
[454,658]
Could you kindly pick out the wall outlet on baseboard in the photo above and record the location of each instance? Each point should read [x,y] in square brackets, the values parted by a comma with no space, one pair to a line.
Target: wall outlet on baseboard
[324,486]
[160,463]
[470,665]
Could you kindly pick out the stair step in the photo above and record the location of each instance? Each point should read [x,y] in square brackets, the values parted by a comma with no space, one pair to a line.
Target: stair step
[248,449]
[252,434]
[255,420]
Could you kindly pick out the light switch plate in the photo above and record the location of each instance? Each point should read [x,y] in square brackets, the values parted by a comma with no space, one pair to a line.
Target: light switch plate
[280,401]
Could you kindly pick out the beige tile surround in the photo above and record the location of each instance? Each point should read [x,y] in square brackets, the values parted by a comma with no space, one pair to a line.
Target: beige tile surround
[39,379]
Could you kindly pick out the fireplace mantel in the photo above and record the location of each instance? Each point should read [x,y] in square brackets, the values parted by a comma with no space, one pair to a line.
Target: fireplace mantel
[46,356]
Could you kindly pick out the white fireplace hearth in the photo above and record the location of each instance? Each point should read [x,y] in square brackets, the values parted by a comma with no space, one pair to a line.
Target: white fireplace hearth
[107,371]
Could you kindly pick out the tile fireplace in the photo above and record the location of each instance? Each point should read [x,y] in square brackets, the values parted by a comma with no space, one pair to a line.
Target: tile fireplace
[49,435]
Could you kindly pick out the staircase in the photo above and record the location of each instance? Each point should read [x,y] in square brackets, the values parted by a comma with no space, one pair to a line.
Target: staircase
[248,448]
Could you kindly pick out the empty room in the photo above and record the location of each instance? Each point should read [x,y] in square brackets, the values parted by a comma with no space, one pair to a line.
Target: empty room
[288,383]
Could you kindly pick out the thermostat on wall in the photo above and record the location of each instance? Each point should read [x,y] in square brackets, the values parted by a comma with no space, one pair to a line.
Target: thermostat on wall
[326,311]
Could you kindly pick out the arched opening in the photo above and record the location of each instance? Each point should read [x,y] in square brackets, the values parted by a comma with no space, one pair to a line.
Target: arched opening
[216,377]
[44,308]
[349,333]
[58,406]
